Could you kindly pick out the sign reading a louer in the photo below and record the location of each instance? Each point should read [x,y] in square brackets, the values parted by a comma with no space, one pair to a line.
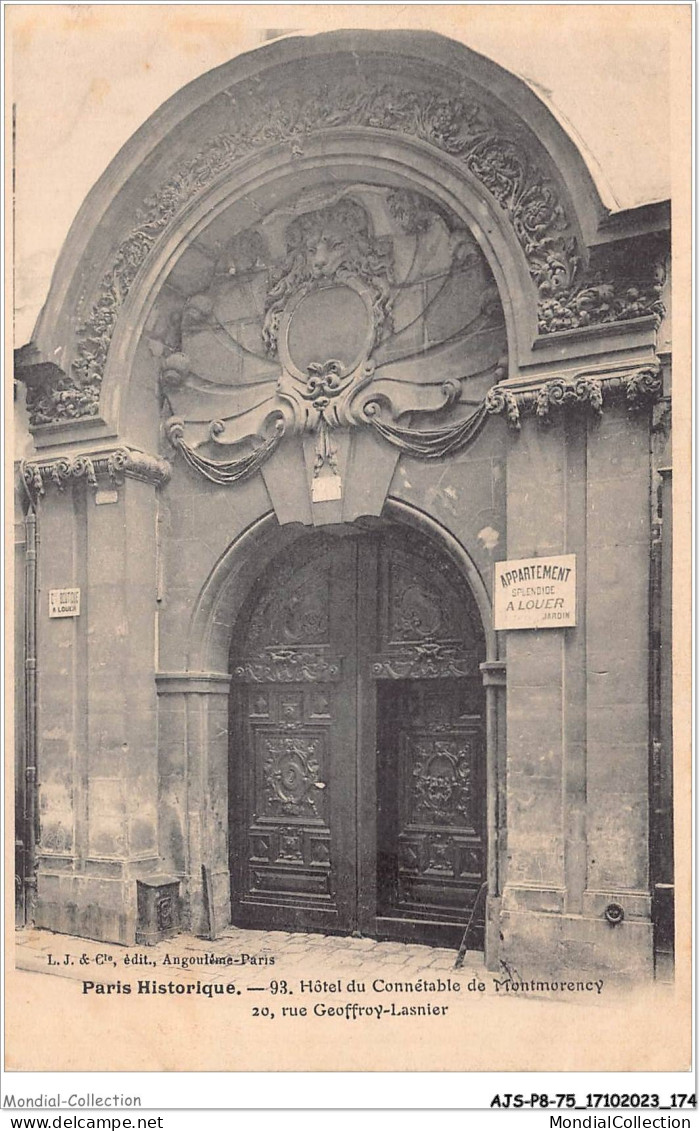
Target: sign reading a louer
[535,593]
[64,602]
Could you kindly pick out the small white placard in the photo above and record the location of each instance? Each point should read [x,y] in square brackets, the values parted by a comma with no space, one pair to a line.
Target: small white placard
[535,593]
[106,496]
[325,488]
[64,602]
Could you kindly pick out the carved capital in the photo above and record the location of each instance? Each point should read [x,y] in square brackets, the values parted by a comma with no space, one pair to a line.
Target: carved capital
[111,467]
[644,387]
[193,683]
[638,388]
[502,402]
[134,464]
[493,673]
[582,391]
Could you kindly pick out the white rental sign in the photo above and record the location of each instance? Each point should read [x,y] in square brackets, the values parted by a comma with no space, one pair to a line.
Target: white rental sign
[535,593]
[64,602]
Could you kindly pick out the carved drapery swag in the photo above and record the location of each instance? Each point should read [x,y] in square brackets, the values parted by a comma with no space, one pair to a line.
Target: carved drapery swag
[224,472]
[639,389]
[436,107]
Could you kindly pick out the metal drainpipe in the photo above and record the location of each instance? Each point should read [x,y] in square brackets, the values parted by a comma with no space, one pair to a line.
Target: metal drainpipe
[30,670]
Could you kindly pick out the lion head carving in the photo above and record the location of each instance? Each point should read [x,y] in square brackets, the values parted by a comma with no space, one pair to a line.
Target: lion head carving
[331,244]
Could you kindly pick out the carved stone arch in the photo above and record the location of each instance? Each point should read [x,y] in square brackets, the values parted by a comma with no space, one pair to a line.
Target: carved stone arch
[229,583]
[525,188]
[392,162]
[217,610]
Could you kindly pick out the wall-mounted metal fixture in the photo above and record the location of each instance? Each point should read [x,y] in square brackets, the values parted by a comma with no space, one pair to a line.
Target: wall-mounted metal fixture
[614,914]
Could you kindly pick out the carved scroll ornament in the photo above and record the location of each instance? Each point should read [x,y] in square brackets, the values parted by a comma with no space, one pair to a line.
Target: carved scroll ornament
[291,774]
[288,665]
[423,661]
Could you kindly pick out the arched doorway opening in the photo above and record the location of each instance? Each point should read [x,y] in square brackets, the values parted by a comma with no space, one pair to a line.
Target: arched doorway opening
[357,791]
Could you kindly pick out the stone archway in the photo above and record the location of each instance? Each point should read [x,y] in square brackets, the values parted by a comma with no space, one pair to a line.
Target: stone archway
[357,747]
[200,698]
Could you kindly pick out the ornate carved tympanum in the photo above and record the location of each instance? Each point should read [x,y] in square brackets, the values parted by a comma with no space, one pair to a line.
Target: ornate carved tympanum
[348,304]
[435,108]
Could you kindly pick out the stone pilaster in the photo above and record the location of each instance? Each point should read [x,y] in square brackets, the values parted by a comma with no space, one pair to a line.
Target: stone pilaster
[193,720]
[536,524]
[97,765]
[61,737]
[577,782]
[617,629]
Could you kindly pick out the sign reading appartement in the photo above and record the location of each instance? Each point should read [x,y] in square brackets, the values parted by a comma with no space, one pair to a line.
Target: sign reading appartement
[64,602]
[535,593]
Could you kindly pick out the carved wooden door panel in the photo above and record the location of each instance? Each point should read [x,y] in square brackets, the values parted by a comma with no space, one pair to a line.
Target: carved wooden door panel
[357,789]
[430,772]
[293,782]
[430,787]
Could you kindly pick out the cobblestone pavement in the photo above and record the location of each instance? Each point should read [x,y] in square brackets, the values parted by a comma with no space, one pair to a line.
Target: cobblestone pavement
[247,953]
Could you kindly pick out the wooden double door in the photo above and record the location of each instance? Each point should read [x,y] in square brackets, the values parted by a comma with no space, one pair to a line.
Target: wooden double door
[357,793]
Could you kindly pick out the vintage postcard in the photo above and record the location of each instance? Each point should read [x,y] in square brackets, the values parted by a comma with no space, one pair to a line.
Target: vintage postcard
[349,691]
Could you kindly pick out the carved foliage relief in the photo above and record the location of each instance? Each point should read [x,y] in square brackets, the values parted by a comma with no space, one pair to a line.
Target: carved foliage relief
[435,107]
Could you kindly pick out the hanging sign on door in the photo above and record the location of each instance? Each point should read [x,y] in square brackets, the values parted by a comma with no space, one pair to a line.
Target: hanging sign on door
[535,593]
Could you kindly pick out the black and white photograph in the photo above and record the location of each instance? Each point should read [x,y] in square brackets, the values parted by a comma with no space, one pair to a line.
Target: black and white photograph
[349,663]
